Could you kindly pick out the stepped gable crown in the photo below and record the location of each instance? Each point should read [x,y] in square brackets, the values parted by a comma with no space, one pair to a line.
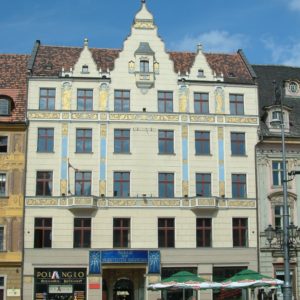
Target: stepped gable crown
[13,83]
[144,19]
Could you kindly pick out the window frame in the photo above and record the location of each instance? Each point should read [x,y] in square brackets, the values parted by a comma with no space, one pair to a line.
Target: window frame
[82,230]
[84,142]
[144,66]
[201,230]
[122,101]
[87,100]
[4,145]
[122,140]
[240,233]
[45,230]
[237,185]
[165,141]
[238,143]
[4,176]
[277,173]
[50,99]
[2,241]
[82,182]
[163,185]
[44,181]
[202,142]
[120,183]
[46,139]
[163,231]
[204,184]
[123,231]
[236,105]
[7,103]
[201,105]
[164,103]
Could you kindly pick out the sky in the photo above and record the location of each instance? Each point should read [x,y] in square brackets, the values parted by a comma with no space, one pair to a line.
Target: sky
[268,31]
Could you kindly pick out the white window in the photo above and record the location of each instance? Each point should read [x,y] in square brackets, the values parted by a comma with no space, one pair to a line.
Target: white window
[293,87]
[3,191]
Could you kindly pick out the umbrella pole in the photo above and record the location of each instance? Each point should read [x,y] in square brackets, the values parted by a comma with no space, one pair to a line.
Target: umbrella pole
[183,291]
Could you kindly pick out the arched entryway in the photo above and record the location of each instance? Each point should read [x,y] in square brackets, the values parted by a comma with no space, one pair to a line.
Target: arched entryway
[123,289]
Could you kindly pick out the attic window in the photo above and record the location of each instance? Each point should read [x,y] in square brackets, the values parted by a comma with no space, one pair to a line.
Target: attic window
[231,74]
[5,106]
[48,67]
[85,69]
[200,73]
[293,87]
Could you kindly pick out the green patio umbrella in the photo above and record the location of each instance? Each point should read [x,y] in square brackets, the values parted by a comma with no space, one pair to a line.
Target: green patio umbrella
[248,278]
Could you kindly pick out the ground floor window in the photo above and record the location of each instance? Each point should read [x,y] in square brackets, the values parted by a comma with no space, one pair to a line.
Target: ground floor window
[222,273]
[177,294]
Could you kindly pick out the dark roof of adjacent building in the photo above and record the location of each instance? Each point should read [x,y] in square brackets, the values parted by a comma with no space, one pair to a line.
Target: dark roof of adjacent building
[49,61]
[266,75]
[13,83]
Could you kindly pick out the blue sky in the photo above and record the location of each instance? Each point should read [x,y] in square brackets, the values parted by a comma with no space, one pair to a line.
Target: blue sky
[268,31]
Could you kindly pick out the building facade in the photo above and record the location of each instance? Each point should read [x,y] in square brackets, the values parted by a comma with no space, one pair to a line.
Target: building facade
[12,170]
[141,162]
[269,165]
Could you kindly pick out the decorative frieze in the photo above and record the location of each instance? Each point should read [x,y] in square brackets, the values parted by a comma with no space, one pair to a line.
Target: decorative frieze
[44,115]
[242,120]
[207,119]
[84,116]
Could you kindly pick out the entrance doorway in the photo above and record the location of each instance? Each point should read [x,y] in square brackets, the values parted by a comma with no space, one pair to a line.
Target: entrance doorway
[123,290]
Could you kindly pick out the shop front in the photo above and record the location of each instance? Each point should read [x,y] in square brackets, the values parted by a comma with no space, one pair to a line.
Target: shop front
[60,284]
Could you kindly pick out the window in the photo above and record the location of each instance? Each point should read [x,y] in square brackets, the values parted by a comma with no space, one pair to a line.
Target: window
[47,99]
[278,216]
[121,140]
[166,185]
[203,232]
[122,100]
[277,172]
[5,106]
[201,103]
[240,232]
[42,232]
[165,141]
[44,183]
[83,140]
[2,288]
[85,69]
[166,232]
[200,73]
[83,181]
[82,233]
[45,140]
[121,184]
[236,104]
[239,186]
[202,142]
[1,239]
[2,184]
[121,233]
[203,185]
[237,143]
[293,87]
[84,99]
[3,144]
[276,115]
[144,66]
[165,102]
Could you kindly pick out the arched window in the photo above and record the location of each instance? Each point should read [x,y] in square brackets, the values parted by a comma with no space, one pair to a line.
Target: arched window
[5,106]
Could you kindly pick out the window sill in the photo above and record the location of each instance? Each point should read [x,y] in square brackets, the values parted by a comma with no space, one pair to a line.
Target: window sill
[45,152]
[125,153]
[4,153]
[200,154]
[84,152]
[239,155]
[4,197]
[173,153]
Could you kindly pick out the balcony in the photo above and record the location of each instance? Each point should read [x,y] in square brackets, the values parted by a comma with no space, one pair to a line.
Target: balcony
[144,80]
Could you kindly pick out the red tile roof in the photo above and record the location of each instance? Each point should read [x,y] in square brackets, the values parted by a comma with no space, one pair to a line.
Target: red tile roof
[13,83]
[50,60]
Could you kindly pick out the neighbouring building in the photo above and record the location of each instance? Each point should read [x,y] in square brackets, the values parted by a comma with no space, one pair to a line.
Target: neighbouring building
[13,71]
[269,164]
[141,162]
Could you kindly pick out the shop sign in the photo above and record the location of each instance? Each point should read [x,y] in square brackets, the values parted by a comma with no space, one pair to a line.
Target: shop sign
[60,276]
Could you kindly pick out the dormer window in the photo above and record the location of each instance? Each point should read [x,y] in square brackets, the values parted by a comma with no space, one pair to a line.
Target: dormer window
[85,69]
[276,120]
[200,73]
[5,106]
[276,116]
[293,87]
[144,66]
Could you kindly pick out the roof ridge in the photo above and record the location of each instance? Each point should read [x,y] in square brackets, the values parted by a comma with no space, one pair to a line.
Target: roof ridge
[273,65]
